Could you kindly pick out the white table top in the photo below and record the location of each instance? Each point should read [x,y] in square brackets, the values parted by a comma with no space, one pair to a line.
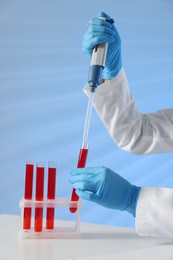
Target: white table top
[97,242]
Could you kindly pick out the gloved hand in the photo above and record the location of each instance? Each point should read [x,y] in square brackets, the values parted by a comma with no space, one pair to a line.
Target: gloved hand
[100,31]
[105,187]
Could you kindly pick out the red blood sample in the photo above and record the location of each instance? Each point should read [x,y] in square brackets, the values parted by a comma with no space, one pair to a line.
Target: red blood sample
[51,196]
[39,197]
[28,194]
[81,164]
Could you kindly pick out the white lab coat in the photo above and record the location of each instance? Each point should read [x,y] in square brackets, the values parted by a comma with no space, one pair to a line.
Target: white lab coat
[139,133]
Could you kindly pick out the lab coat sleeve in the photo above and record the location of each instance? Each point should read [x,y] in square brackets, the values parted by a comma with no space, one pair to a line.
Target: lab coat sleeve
[154,212]
[132,130]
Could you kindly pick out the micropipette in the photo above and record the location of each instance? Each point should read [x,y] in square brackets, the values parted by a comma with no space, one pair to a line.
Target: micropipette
[94,79]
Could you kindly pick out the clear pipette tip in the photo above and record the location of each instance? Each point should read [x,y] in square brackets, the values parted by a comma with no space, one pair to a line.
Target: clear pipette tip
[87,120]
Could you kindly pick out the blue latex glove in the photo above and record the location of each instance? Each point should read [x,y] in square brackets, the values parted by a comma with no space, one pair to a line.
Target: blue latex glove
[100,31]
[105,187]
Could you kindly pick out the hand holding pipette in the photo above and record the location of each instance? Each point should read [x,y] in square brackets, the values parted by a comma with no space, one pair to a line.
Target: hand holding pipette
[103,31]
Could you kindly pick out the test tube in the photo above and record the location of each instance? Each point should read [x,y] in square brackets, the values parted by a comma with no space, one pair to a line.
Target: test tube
[81,164]
[29,170]
[51,193]
[39,193]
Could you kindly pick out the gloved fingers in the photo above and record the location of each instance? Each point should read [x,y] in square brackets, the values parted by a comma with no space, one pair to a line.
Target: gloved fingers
[85,186]
[86,178]
[83,194]
[89,45]
[80,178]
[84,181]
[102,30]
[100,22]
[99,31]
[102,37]
[86,195]
[98,25]
[96,35]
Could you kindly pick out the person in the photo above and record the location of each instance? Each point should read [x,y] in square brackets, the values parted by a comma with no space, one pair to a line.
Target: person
[132,131]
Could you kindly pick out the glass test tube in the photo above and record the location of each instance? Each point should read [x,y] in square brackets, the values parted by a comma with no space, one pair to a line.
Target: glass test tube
[29,171]
[39,193]
[81,164]
[51,193]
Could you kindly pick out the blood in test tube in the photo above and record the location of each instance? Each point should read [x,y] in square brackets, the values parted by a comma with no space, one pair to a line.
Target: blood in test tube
[51,194]
[81,164]
[28,194]
[39,196]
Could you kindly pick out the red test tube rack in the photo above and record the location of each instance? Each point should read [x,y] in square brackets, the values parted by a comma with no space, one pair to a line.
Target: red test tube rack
[38,212]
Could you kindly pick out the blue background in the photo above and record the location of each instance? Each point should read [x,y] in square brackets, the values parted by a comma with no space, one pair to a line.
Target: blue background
[42,104]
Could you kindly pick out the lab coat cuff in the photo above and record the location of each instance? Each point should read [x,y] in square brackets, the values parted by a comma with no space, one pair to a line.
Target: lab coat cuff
[143,226]
[154,212]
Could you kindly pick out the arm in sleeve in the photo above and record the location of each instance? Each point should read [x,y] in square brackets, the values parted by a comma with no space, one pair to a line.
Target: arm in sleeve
[132,130]
[154,212]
